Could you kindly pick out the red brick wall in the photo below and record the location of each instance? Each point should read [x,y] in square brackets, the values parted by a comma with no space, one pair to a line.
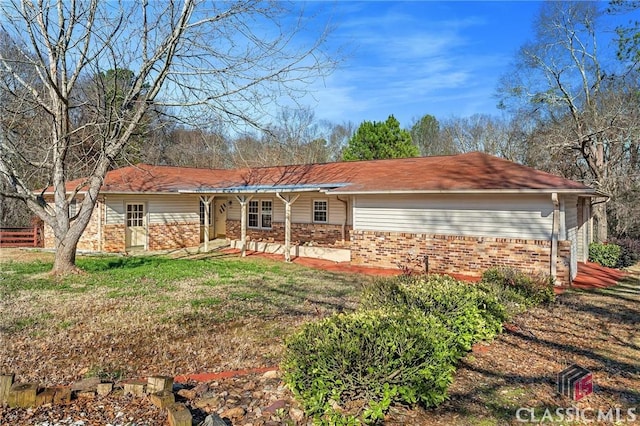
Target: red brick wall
[114,238]
[458,254]
[168,236]
[301,233]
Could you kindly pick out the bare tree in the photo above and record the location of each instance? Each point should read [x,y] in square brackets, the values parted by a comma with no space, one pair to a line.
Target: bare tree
[205,61]
[560,83]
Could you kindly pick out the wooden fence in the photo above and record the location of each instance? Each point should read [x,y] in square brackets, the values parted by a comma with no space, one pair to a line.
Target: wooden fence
[21,237]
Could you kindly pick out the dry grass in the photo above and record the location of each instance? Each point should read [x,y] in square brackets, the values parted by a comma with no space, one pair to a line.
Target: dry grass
[131,317]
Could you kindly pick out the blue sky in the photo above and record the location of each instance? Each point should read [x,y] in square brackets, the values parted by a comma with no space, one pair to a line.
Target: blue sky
[421,57]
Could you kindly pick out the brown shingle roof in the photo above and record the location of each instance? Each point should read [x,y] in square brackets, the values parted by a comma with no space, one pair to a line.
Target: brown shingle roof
[456,173]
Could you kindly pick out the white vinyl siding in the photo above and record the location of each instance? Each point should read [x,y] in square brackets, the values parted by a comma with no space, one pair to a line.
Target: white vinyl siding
[160,208]
[508,216]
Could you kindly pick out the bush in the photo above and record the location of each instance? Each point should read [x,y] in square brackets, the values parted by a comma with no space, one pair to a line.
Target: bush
[517,290]
[369,360]
[604,254]
[470,313]
[629,251]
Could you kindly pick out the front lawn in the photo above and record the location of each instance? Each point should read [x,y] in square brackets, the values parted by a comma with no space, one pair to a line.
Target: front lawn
[135,316]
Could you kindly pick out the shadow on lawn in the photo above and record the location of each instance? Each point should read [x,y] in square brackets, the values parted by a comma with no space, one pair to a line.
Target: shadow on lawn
[495,396]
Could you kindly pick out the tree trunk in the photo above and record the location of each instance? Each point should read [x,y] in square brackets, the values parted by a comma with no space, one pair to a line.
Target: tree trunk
[65,259]
[600,222]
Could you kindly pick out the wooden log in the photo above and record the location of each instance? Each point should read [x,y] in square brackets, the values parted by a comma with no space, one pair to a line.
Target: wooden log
[135,387]
[6,380]
[104,389]
[45,397]
[23,395]
[179,415]
[159,384]
[162,399]
[62,395]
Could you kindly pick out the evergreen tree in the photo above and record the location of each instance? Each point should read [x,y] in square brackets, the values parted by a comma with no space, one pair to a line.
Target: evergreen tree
[377,140]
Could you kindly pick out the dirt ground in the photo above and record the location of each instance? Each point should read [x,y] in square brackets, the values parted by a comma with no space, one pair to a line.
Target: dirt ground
[509,381]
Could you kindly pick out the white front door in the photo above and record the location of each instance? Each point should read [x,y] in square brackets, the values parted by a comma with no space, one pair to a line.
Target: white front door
[220,218]
[136,229]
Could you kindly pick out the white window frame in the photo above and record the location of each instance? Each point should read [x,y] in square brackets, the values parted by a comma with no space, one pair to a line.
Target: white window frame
[325,211]
[202,213]
[260,213]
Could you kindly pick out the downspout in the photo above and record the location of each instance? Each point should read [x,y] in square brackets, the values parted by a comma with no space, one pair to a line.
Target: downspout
[346,216]
[554,235]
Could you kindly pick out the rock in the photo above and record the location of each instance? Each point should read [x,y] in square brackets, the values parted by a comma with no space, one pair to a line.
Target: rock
[89,384]
[296,414]
[213,420]
[276,405]
[206,402]
[249,386]
[273,374]
[233,413]
[201,388]
[187,394]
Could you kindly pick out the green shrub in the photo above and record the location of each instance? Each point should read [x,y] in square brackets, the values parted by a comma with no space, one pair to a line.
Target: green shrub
[604,254]
[470,313]
[377,356]
[517,290]
[629,251]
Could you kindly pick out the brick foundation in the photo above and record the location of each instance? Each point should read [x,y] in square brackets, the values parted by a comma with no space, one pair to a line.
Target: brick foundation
[301,233]
[458,254]
[114,238]
[169,236]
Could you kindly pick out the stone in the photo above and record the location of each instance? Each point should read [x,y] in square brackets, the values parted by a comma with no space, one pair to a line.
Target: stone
[179,415]
[6,380]
[89,384]
[62,395]
[104,389]
[22,395]
[201,388]
[135,387]
[296,414]
[45,397]
[206,402]
[273,374]
[159,384]
[187,394]
[213,420]
[162,399]
[233,413]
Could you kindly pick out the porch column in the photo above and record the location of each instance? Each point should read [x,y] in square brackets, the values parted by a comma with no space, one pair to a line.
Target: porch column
[554,235]
[287,200]
[243,200]
[206,200]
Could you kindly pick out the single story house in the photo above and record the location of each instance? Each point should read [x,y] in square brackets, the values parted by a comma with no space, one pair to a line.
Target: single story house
[460,214]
